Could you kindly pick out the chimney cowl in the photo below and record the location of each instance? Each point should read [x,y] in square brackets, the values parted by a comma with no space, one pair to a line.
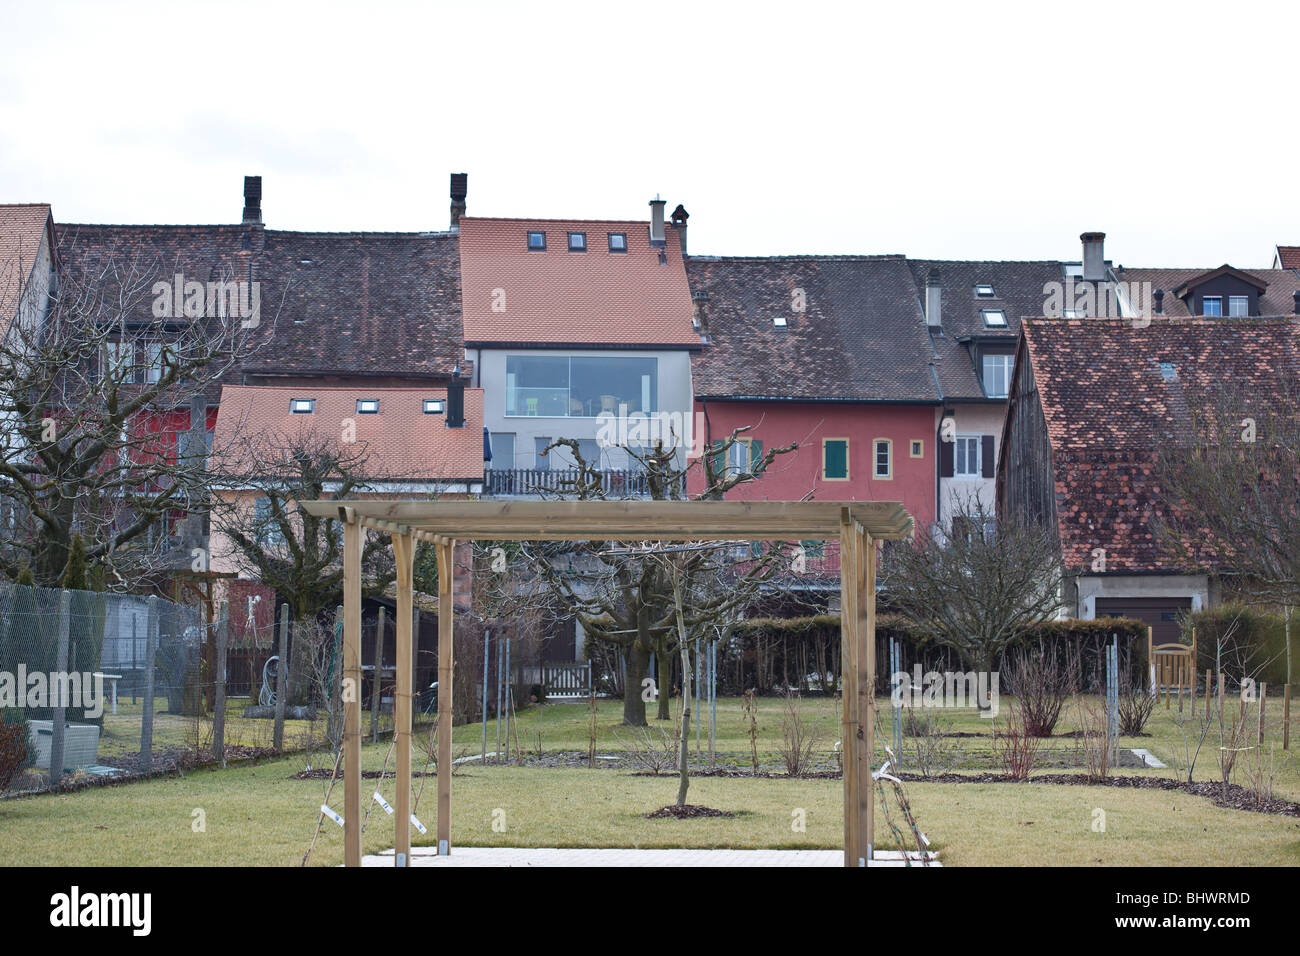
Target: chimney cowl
[1295,299]
[459,188]
[252,199]
[1159,297]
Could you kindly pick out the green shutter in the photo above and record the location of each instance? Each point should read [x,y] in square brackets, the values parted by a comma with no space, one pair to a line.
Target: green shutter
[719,462]
[755,454]
[836,454]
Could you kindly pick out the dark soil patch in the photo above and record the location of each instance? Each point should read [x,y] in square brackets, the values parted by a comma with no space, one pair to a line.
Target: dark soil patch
[755,774]
[322,773]
[1234,797]
[687,812]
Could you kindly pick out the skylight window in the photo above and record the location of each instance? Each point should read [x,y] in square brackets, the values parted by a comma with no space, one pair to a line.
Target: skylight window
[434,406]
[618,242]
[367,406]
[780,321]
[984,290]
[302,406]
[1168,371]
[994,318]
[537,241]
[577,242]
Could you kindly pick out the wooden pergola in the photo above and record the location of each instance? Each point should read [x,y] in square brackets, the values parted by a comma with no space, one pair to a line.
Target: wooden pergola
[857,525]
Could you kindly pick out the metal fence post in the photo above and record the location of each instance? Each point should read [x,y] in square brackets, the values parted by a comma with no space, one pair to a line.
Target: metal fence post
[60,704]
[281,679]
[146,724]
[219,707]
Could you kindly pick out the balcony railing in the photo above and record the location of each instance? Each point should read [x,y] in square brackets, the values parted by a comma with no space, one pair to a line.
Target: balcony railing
[538,482]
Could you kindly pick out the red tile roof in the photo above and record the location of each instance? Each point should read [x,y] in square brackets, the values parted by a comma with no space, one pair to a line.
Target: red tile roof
[556,297]
[1109,408]
[1276,299]
[1289,257]
[401,442]
[22,229]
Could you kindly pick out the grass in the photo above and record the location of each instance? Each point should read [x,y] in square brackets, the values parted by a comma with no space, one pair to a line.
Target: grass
[258,815]
[120,734]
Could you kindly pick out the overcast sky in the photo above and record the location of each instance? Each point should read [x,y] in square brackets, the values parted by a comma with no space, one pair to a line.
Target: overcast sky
[965,130]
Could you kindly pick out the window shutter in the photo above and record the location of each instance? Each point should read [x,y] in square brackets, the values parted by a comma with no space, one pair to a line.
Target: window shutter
[988,464]
[719,462]
[947,453]
[836,463]
[755,454]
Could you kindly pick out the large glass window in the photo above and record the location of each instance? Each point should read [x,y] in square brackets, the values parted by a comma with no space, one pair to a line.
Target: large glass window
[580,386]
[1238,306]
[997,375]
[966,460]
[1212,305]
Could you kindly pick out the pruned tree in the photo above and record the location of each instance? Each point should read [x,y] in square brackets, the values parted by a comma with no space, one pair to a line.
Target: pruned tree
[95,401]
[1230,479]
[623,594]
[298,554]
[978,589]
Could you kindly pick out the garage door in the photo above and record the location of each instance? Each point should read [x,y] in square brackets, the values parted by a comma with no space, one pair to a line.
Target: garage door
[1160,613]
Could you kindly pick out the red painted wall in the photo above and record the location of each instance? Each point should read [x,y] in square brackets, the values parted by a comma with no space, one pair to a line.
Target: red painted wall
[792,476]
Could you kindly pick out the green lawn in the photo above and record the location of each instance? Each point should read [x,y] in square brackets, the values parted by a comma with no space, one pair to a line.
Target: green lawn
[257,815]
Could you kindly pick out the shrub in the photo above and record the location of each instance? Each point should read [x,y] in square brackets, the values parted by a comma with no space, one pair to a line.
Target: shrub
[798,738]
[16,751]
[1254,641]
[1015,747]
[1042,681]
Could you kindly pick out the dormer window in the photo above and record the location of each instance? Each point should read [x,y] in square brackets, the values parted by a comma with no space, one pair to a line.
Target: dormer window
[577,242]
[1212,305]
[367,406]
[536,241]
[618,242]
[984,290]
[994,318]
[302,406]
[1238,306]
[434,406]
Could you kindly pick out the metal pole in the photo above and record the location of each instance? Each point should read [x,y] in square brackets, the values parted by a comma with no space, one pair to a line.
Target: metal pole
[713,705]
[509,698]
[498,714]
[487,636]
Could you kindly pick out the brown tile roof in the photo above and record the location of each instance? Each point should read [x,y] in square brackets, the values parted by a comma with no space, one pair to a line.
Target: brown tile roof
[401,442]
[1109,408]
[1276,298]
[1289,257]
[23,228]
[333,304]
[861,336]
[557,297]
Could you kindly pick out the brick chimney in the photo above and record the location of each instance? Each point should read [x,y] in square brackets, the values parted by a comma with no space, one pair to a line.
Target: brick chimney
[680,215]
[252,200]
[1094,256]
[459,187]
[1159,296]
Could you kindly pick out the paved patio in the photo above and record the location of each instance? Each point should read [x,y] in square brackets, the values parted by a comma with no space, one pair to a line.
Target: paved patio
[550,856]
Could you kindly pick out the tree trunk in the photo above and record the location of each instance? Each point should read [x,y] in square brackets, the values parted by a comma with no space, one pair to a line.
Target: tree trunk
[637,660]
[684,780]
[665,685]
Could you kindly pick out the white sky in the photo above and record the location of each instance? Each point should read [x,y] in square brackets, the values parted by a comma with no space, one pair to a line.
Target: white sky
[968,130]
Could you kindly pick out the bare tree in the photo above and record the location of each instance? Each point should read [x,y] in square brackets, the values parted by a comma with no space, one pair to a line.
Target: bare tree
[979,589]
[1231,483]
[624,595]
[94,402]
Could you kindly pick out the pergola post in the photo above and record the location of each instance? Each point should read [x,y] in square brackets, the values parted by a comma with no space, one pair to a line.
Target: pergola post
[404,555]
[866,608]
[446,653]
[849,697]
[352,538]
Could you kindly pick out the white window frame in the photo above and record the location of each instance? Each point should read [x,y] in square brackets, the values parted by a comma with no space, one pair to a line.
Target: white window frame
[1205,306]
[1006,364]
[990,323]
[1233,301]
[978,471]
[889,458]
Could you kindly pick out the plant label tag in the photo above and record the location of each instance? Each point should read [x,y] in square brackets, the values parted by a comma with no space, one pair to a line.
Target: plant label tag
[379,799]
[418,825]
[324,808]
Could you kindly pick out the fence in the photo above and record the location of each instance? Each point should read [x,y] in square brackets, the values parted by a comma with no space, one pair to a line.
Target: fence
[536,481]
[100,681]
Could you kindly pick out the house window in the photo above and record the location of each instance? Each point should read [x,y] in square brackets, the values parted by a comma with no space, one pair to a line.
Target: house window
[835,459]
[559,386]
[120,360]
[918,448]
[994,318]
[738,456]
[1238,306]
[302,406]
[815,549]
[434,406]
[589,449]
[367,406]
[984,290]
[577,242]
[1212,305]
[883,458]
[1168,371]
[618,242]
[265,527]
[541,460]
[503,449]
[780,321]
[158,357]
[966,457]
[537,241]
[997,375]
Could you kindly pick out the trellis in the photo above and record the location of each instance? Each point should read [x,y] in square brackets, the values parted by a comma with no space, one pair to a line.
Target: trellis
[857,525]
